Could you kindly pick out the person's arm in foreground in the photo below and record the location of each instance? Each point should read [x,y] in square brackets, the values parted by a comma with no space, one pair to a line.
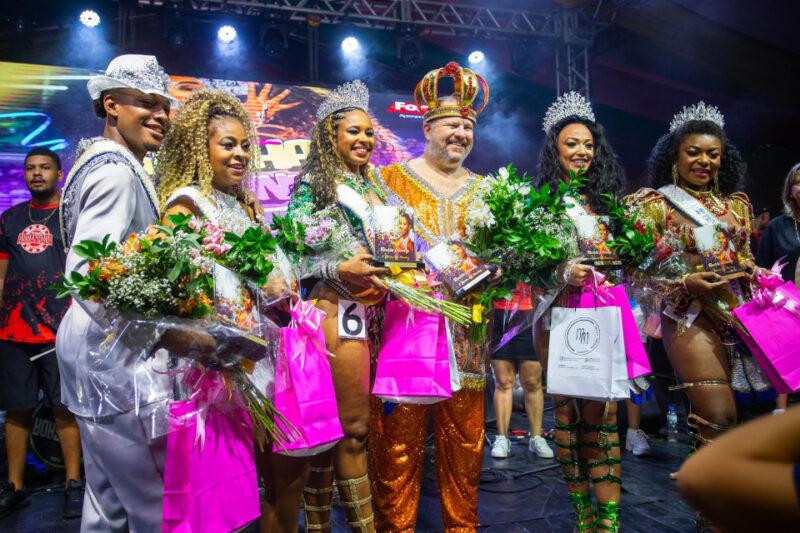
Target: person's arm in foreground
[744,481]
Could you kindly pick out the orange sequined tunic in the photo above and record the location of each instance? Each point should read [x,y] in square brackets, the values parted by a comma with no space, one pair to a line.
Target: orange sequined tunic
[438,217]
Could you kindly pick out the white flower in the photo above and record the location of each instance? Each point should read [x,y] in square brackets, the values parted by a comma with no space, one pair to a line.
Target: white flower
[503,172]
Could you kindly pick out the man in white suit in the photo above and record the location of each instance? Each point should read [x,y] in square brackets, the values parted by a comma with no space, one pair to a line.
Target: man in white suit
[118,397]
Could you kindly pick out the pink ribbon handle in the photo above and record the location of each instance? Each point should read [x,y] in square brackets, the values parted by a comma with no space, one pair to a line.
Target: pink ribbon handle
[307,318]
[599,287]
[767,283]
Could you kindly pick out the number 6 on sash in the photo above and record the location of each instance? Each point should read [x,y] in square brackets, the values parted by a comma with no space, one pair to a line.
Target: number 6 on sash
[352,320]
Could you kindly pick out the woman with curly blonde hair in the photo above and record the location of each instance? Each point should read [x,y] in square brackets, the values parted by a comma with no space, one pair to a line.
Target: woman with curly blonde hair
[206,158]
[203,168]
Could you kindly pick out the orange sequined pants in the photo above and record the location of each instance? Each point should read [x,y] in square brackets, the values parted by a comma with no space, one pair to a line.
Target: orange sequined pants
[396,450]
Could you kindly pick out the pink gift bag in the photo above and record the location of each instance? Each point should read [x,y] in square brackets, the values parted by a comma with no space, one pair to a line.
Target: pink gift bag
[772,320]
[601,295]
[414,361]
[209,471]
[304,392]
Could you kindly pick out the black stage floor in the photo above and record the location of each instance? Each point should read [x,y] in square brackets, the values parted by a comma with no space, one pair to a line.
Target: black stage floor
[518,494]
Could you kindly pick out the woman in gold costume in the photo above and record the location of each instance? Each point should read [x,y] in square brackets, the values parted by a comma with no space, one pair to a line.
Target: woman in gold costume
[696,175]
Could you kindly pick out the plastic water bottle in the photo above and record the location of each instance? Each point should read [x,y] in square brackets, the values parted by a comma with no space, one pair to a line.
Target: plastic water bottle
[672,424]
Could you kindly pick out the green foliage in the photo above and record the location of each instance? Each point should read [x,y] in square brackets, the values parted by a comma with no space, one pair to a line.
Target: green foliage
[93,250]
[290,234]
[248,253]
[633,241]
[530,229]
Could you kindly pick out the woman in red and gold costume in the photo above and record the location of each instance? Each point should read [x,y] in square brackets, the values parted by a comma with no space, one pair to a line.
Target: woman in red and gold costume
[696,175]
[439,189]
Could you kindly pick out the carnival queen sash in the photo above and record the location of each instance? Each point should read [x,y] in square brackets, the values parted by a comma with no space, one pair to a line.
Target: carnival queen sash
[688,206]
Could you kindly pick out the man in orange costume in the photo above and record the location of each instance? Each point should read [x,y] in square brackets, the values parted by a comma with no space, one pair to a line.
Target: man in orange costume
[439,189]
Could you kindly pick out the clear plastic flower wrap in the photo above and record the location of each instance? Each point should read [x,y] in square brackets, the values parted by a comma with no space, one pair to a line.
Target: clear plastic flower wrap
[319,242]
[169,298]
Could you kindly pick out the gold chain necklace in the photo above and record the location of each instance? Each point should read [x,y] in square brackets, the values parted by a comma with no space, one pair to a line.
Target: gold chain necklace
[44,220]
[710,200]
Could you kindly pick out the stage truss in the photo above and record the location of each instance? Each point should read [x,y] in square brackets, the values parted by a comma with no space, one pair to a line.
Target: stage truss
[573,28]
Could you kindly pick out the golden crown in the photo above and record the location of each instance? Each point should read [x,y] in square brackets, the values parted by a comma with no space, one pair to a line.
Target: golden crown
[466,85]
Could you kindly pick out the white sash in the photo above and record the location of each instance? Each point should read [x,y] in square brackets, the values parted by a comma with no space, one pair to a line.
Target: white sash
[574,207]
[688,205]
[349,199]
[207,208]
[575,210]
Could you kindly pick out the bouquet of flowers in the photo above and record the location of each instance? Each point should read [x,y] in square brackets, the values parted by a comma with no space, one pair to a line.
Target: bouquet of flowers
[523,230]
[519,228]
[165,276]
[323,233]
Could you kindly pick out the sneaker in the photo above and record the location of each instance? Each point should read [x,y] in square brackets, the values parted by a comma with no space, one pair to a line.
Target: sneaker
[501,447]
[540,447]
[73,499]
[637,442]
[11,499]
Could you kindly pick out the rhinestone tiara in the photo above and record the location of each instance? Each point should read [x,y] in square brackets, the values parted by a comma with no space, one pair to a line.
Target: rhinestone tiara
[699,111]
[569,104]
[352,94]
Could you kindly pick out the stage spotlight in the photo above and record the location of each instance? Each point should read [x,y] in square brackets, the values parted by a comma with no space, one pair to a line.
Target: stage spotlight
[476,57]
[226,34]
[89,18]
[350,45]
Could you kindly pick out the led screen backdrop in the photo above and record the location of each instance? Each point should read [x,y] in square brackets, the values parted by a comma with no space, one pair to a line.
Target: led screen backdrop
[49,106]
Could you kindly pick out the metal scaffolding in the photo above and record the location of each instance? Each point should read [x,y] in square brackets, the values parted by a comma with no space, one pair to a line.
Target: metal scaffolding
[572,29]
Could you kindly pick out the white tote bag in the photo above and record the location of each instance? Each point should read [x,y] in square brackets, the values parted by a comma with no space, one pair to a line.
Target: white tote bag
[587,354]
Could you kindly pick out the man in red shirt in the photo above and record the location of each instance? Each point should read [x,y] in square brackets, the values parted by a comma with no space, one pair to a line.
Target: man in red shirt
[32,259]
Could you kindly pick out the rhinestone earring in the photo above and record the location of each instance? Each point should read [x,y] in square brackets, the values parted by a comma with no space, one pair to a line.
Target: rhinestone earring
[675,174]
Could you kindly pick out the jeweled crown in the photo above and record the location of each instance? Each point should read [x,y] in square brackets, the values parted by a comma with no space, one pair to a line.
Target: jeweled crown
[466,85]
[699,111]
[569,104]
[353,94]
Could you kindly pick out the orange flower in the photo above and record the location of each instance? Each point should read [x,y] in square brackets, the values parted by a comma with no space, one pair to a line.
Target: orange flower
[132,245]
[185,307]
[111,268]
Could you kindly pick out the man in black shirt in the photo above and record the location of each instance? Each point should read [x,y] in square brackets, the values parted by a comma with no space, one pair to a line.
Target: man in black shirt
[32,258]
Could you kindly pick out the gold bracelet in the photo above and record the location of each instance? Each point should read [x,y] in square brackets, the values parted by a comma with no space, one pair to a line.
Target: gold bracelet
[683,280]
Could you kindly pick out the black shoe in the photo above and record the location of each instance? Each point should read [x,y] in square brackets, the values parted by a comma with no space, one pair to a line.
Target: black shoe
[11,499]
[73,499]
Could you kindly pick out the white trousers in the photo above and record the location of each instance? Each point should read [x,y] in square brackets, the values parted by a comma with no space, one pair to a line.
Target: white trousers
[124,472]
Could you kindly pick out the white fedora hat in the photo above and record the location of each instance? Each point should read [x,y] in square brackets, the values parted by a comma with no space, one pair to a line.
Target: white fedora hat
[132,71]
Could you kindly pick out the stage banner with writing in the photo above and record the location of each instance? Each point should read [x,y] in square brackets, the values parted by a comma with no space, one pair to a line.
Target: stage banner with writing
[49,106]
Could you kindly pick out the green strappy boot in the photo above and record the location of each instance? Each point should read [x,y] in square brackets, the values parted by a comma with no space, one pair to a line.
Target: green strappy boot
[585,519]
[608,512]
